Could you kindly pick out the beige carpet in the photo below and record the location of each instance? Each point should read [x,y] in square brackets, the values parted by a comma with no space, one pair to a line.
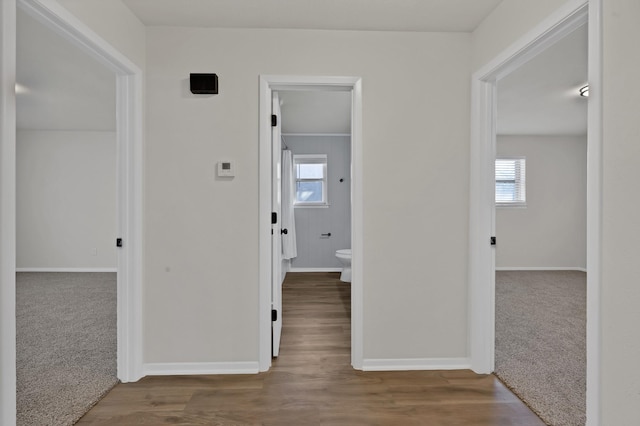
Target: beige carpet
[540,341]
[66,344]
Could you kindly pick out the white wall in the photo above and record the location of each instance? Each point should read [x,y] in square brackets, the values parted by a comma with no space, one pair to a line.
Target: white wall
[551,231]
[620,300]
[201,250]
[315,251]
[66,202]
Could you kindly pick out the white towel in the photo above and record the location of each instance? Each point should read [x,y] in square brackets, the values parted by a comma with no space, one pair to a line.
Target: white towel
[289,250]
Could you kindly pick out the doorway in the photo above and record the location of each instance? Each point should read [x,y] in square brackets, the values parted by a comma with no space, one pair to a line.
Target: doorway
[268,84]
[541,171]
[128,188]
[312,200]
[482,218]
[129,126]
[66,279]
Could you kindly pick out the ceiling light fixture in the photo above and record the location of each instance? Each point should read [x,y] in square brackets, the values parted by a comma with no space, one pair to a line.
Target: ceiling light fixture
[584,91]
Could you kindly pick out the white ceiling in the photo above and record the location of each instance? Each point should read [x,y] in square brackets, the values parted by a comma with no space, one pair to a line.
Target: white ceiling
[542,97]
[66,89]
[382,15]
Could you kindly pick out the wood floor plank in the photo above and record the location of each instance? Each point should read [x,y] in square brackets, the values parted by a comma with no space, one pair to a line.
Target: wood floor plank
[313,383]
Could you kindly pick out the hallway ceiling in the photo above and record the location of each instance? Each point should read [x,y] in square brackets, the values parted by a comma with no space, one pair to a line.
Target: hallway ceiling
[370,15]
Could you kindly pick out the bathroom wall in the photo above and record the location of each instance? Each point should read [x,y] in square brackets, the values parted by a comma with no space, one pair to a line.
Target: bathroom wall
[316,252]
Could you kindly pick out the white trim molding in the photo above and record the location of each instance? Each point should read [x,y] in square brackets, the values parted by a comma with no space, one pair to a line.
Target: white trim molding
[330,135]
[199,368]
[129,112]
[315,269]
[268,83]
[66,269]
[594,216]
[541,268]
[411,364]
[481,278]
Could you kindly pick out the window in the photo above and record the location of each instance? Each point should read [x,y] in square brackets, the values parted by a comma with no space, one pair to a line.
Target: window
[311,180]
[510,182]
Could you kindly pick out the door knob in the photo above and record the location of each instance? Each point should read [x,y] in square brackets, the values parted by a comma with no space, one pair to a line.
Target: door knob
[284,231]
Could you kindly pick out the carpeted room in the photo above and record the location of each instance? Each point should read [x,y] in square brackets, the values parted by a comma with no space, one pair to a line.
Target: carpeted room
[540,293]
[66,221]
[66,344]
[540,341]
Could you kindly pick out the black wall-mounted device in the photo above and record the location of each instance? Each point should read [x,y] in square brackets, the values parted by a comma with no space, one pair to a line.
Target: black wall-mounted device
[204,84]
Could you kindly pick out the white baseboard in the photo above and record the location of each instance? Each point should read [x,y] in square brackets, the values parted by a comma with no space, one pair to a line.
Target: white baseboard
[195,368]
[292,269]
[66,269]
[416,364]
[541,268]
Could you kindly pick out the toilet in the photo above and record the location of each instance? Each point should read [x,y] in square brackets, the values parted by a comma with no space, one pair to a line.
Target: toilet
[344,256]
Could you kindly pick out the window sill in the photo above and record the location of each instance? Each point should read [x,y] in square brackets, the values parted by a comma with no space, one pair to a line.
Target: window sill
[511,205]
[311,206]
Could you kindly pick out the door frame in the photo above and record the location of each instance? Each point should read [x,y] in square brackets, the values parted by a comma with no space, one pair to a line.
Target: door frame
[268,83]
[482,186]
[129,135]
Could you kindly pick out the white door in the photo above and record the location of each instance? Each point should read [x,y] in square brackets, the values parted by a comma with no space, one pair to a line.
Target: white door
[276,228]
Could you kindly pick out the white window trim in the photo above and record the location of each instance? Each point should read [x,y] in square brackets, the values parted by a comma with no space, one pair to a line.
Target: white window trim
[314,159]
[514,204]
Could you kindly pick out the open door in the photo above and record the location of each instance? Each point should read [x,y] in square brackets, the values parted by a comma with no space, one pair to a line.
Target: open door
[276,240]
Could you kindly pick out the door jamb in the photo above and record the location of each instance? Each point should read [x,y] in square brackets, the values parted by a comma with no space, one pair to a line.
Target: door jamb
[482,207]
[291,82]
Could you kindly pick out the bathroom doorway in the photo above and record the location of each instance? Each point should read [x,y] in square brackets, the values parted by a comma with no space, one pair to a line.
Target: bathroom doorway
[272,267]
[312,193]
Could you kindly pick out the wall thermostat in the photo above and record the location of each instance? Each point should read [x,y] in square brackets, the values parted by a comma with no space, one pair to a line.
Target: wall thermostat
[226,169]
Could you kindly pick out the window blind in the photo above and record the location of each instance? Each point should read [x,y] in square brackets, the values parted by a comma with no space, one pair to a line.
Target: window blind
[511,182]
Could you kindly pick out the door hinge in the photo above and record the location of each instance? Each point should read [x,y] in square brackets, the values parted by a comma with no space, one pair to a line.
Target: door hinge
[493,241]
[274,315]
[274,120]
[274,218]
[118,242]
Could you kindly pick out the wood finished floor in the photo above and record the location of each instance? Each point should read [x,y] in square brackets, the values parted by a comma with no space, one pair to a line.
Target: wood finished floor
[313,383]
